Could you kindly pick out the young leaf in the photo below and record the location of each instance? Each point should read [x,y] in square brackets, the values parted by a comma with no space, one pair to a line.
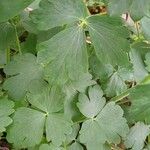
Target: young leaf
[65,12]
[6,109]
[109,38]
[22,71]
[96,131]
[64,55]
[9,9]
[91,106]
[137,136]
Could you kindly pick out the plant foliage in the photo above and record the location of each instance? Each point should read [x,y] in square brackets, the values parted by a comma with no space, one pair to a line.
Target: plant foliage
[75,74]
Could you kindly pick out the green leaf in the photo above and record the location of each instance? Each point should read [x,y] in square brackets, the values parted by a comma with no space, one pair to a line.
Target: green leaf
[7,35]
[115,85]
[57,127]
[145,23]
[51,102]
[118,7]
[99,69]
[72,142]
[96,131]
[75,146]
[64,58]
[91,106]
[137,136]
[126,73]
[109,38]
[48,104]
[72,137]
[9,9]
[147,61]
[22,71]
[3,58]
[65,12]
[29,46]
[71,110]
[27,128]
[136,8]
[139,9]
[137,56]
[140,99]
[79,85]
[6,109]
[46,35]
[49,147]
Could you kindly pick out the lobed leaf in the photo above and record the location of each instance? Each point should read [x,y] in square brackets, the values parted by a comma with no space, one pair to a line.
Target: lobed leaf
[65,12]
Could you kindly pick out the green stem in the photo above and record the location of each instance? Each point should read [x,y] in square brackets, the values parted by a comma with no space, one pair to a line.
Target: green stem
[17,38]
[146,80]
[8,55]
[80,121]
[137,28]
[121,96]
[65,146]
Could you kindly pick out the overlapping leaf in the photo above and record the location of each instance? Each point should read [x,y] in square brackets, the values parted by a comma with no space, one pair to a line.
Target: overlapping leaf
[116,85]
[7,38]
[140,102]
[9,9]
[6,109]
[50,147]
[65,12]
[99,69]
[145,23]
[7,34]
[78,85]
[64,55]
[27,128]
[22,71]
[137,136]
[109,38]
[136,8]
[71,89]
[91,106]
[137,56]
[147,61]
[49,103]
[96,130]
